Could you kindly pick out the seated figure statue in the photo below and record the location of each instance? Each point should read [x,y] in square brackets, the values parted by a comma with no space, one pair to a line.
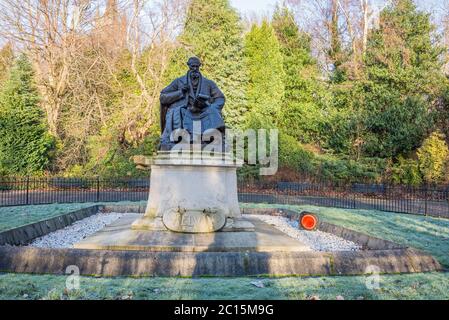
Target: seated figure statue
[187,99]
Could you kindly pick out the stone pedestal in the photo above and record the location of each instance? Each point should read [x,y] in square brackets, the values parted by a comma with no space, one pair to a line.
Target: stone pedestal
[193,193]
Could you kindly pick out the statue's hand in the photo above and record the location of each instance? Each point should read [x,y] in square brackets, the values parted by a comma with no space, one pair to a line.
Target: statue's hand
[185,89]
[195,109]
[206,104]
[202,102]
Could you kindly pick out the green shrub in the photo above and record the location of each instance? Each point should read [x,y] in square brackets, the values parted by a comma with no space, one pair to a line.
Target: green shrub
[110,159]
[346,170]
[75,171]
[292,155]
[248,172]
[406,171]
[433,156]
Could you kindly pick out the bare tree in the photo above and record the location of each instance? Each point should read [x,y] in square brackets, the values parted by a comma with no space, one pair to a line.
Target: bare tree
[358,16]
[51,32]
[151,40]
[6,61]
[78,47]
[322,20]
[445,37]
[339,29]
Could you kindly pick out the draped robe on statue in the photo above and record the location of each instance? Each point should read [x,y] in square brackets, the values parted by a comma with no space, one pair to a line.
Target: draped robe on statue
[176,112]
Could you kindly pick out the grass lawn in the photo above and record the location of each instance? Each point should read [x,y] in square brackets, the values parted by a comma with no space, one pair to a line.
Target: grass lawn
[414,286]
[428,234]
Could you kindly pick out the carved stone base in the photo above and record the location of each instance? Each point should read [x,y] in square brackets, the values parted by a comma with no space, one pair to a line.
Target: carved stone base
[156,224]
[192,193]
[194,221]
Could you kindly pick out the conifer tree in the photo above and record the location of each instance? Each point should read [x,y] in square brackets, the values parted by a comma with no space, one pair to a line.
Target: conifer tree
[403,77]
[266,76]
[26,144]
[301,113]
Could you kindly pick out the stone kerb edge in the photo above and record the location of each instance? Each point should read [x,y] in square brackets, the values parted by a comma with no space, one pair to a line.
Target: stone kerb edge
[25,234]
[391,258]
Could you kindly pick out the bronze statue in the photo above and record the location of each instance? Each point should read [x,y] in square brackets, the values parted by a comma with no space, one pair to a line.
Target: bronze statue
[187,99]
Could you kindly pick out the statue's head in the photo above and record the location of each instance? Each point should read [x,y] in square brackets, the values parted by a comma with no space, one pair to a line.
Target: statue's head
[194,65]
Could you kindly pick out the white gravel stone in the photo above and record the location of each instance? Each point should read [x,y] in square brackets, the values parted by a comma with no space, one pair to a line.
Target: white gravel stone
[67,237]
[315,240]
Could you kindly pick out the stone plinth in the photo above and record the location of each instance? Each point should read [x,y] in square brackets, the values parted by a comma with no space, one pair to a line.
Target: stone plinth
[118,236]
[192,193]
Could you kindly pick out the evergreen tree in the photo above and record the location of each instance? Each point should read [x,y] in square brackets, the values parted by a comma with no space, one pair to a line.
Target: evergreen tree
[301,114]
[433,156]
[403,77]
[266,76]
[213,32]
[442,118]
[25,146]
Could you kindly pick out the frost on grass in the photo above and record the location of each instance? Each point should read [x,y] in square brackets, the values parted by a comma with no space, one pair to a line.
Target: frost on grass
[14,217]
[425,233]
[432,286]
[67,237]
[316,240]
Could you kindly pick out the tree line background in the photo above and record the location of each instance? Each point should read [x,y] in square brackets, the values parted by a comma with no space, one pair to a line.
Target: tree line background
[357,96]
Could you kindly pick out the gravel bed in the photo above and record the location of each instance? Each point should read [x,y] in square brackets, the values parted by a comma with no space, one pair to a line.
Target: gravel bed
[315,240]
[67,237]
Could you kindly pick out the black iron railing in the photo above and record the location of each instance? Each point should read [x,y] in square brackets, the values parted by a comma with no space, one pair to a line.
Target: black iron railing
[31,191]
[424,200]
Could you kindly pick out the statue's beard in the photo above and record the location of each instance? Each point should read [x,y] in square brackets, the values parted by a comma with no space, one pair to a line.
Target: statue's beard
[195,75]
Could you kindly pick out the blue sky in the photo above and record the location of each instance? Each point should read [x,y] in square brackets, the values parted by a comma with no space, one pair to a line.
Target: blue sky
[259,6]
[264,6]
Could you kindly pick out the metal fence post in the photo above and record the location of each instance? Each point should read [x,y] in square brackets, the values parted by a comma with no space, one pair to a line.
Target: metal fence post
[98,189]
[354,199]
[446,198]
[28,191]
[425,198]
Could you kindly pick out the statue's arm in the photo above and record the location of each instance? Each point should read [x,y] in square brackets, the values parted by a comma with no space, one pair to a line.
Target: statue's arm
[171,94]
[217,97]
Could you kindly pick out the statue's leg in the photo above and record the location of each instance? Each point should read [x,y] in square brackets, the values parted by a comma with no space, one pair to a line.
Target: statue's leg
[212,120]
[187,122]
[215,119]
[166,144]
